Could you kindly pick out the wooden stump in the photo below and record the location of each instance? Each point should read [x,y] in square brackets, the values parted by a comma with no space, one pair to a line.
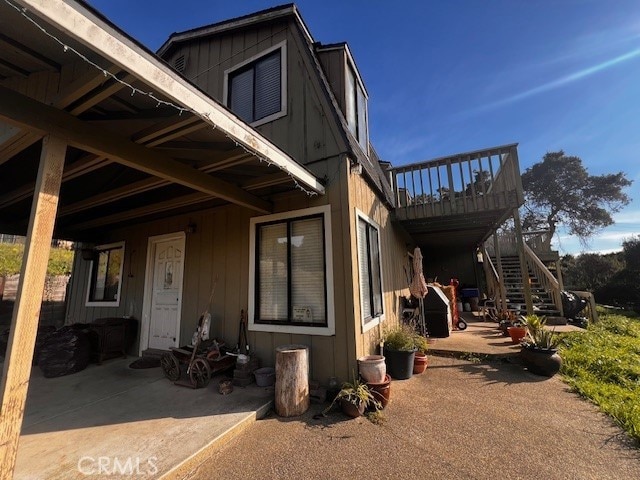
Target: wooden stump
[292,380]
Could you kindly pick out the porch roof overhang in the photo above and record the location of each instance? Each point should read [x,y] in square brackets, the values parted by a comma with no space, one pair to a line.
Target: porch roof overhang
[143,141]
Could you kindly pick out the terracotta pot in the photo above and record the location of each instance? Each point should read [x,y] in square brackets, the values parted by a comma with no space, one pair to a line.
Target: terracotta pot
[372,368]
[541,362]
[420,363]
[350,409]
[381,391]
[517,334]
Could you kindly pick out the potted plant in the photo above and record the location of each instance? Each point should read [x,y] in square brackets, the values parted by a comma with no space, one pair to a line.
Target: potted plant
[399,351]
[354,397]
[420,360]
[518,330]
[539,349]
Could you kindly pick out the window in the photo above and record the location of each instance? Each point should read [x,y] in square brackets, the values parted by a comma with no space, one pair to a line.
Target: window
[371,303]
[291,279]
[357,109]
[105,275]
[255,90]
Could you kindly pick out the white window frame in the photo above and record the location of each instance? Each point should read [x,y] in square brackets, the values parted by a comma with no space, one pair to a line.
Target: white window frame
[330,328]
[283,81]
[373,321]
[115,303]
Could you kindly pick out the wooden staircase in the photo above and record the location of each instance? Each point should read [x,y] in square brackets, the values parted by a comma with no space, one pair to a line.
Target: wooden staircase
[513,282]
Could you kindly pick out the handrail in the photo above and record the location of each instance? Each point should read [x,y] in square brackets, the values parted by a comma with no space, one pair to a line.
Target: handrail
[544,276]
[537,240]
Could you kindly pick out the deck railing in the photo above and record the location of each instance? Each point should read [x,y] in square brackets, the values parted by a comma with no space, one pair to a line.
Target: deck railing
[538,241]
[469,182]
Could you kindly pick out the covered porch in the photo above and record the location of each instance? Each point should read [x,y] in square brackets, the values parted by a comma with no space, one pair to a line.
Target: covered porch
[115,421]
[96,134]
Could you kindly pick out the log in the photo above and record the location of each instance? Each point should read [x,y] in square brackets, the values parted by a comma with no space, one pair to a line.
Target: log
[292,380]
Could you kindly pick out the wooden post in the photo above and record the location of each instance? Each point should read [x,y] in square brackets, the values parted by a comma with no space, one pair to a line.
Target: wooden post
[292,380]
[24,322]
[501,287]
[526,286]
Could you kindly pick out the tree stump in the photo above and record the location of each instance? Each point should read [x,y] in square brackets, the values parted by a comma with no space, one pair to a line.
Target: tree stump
[292,380]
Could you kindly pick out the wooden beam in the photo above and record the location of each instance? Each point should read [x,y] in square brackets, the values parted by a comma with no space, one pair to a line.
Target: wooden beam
[84,165]
[31,114]
[136,188]
[103,39]
[19,140]
[95,97]
[26,51]
[183,201]
[196,146]
[163,128]
[24,322]
[14,68]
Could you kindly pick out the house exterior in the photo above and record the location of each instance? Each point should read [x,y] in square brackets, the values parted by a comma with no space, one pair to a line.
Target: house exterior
[278,205]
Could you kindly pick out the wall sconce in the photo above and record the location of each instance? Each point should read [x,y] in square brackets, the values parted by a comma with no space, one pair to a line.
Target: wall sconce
[479,256]
[191,228]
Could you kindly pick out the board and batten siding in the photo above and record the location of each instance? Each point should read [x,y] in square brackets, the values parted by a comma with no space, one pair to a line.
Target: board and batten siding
[394,247]
[220,248]
[308,132]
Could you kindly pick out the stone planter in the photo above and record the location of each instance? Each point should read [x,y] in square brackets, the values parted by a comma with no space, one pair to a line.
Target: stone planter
[541,362]
[372,368]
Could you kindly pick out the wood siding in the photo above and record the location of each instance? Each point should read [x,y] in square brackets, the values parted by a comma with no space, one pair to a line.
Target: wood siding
[333,63]
[394,246]
[220,247]
[308,131]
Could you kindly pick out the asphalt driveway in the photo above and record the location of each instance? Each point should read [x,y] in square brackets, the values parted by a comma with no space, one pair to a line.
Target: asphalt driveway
[458,420]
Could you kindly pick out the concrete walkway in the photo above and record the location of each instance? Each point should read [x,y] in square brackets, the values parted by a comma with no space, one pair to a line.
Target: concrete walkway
[111,421]
[458,420]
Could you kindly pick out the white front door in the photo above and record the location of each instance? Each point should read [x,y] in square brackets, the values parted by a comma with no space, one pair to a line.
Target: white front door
[168,263]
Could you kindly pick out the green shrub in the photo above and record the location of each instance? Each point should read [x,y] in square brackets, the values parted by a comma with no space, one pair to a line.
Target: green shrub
[60,260]
[603,365]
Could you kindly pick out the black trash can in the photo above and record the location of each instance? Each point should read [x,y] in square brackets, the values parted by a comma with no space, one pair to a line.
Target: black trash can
[437,313]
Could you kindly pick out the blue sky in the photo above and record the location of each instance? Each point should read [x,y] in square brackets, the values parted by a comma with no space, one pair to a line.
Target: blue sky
[448,77]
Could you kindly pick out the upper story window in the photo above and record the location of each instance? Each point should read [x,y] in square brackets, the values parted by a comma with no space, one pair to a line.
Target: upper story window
[291,274]
[357,117]
[105,277]
[255,90]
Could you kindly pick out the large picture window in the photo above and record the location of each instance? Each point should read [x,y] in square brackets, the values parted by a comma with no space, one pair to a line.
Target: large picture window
[371,303]
[290,273]
[105,279]
[255,89]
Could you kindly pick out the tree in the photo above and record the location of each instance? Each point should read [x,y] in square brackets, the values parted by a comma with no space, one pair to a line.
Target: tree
[559,191]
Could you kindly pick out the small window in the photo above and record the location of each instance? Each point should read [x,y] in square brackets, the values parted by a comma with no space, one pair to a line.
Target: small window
[256,88]
[290,271]
[105,278]
[357,117]
[371,303]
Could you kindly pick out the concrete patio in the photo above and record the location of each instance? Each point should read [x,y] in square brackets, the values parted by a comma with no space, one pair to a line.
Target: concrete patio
[481,339]
[116,421]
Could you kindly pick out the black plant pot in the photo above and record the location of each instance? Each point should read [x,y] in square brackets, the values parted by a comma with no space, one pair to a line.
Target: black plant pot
[399,363]
[541,362]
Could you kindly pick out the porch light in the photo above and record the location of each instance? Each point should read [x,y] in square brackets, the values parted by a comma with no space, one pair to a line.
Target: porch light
[479,256]
[355,167]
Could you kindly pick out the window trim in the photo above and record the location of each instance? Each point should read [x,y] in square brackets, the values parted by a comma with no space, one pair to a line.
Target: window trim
[102,303]
[372,321]
[283,81]
[330,328]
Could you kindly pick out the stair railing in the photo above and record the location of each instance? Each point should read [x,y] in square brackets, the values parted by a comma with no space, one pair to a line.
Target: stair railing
[548,282]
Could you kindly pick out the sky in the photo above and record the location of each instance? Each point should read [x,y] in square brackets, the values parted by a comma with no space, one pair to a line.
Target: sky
[445,77]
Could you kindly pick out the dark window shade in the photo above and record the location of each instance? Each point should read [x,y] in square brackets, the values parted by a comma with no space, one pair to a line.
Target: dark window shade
[255,91]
